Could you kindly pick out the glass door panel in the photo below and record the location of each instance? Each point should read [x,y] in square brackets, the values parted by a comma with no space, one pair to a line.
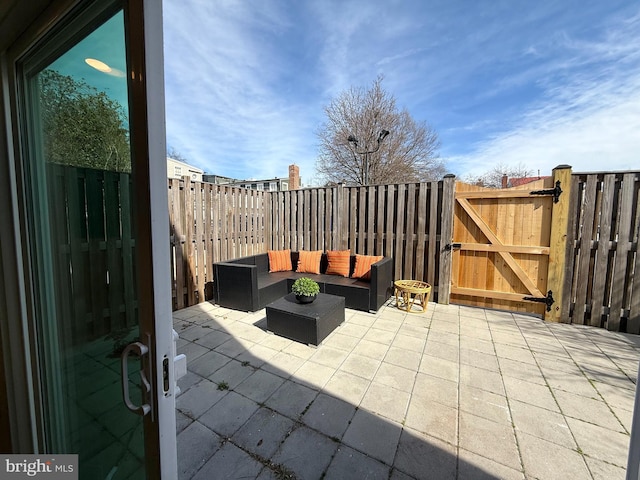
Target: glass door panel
[82,247]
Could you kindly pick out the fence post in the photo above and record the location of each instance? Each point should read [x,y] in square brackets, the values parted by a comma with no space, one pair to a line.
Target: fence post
[558,244]
[446,236]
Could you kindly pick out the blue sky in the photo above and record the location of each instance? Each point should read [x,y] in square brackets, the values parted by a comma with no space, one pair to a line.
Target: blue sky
[538,83]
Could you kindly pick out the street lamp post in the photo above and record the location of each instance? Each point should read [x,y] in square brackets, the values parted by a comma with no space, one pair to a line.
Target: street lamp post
[365,154]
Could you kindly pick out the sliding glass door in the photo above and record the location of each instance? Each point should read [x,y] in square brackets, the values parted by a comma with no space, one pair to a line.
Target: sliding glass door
[100,339]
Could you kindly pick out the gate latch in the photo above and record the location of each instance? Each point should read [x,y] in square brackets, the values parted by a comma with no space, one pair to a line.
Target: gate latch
[451,246]
[556,191]
[548,300]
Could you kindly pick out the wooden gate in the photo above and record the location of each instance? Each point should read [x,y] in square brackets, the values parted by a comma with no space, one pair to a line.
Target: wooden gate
[504,250]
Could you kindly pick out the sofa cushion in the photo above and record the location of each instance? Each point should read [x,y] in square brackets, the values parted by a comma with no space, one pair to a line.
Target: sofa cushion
[362,269]
[335,280]
[309,262]
[267,279]
[261,261]
[271,288]
[338,262]
[356,295]
[279,260]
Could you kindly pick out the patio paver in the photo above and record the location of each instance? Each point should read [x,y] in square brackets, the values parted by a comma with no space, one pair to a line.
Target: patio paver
[457,392]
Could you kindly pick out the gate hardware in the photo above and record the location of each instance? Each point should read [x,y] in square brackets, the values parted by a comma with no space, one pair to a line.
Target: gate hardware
[548,300]
[451,246]
[552,191]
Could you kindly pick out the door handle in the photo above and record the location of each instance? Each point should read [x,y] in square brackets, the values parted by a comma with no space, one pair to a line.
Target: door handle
[140,350]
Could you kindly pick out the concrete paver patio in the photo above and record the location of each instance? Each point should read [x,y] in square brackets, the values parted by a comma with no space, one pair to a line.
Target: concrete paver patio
[457,392]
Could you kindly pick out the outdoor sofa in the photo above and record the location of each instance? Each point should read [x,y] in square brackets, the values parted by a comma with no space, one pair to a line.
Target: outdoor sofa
[246,283]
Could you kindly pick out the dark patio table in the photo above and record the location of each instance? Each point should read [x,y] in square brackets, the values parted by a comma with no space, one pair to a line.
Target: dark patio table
[307,323]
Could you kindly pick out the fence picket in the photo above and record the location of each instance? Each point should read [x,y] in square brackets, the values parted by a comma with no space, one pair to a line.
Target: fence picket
[190,247]
[114,255]
[298,216]
[313,221]
[320,217]
[446,235]
[399,235]
[432,234]
[344,212]
[421,231]
[601,268]
[329,218]
[409,237]
[199,226]
[623,247]
[352,212]
[380,221]
[585,252]
[370,226]
[633,325]
[391,210]
[94,202]
[361,228]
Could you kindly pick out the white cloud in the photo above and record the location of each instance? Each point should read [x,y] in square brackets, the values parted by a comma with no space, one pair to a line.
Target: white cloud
[588,116]
[605,139]
[223,112]
[546,84]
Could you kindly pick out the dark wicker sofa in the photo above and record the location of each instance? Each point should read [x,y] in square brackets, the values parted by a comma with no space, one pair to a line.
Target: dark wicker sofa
[246,284]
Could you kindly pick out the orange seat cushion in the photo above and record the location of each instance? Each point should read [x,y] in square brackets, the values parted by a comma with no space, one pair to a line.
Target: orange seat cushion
[362,269]
[309,262]
[339,262]
[279,260]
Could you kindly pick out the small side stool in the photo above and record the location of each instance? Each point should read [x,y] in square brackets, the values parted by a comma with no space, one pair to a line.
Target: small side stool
[412,291]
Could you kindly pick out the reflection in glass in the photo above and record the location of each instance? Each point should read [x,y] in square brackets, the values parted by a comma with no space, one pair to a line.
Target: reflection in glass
[84,254]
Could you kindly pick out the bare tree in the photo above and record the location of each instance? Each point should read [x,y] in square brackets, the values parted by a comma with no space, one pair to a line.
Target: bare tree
[172,152]
[409,153]
[493,178]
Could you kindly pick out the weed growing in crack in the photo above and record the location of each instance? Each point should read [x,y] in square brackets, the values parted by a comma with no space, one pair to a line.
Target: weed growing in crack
[281,472]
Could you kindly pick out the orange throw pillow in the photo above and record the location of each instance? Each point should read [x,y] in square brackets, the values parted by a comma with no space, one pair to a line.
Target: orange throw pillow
[339,262]
[363,266]
[279,260]
[309,262]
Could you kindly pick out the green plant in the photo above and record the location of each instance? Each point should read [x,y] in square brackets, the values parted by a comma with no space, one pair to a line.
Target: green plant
[223,385]
[305,287]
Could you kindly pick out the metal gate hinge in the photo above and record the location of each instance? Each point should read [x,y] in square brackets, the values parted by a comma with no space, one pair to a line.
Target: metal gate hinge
[548,300]
[556,191]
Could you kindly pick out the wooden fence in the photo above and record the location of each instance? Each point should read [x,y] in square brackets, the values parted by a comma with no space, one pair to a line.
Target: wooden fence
[413,224]
[603,268]
[94,250]
[95,247]
[211,223]
[409,222]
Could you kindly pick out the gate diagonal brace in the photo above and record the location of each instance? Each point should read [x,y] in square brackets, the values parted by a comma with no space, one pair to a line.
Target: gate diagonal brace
[555,192]
[548,300]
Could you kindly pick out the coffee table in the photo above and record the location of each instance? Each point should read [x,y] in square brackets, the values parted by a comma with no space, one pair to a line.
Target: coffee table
[306,323]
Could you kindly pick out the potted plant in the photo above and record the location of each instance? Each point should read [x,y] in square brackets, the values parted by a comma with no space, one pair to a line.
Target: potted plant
[305,290]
